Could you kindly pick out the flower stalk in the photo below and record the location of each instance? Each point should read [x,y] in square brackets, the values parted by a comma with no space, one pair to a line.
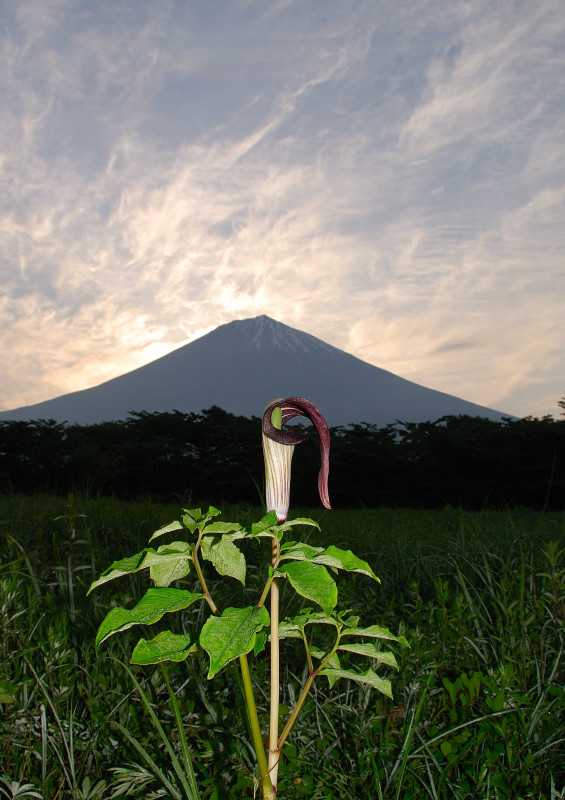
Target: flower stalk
[278,449]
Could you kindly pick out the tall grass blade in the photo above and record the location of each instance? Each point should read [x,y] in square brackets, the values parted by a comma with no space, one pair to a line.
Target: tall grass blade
[191,790]
[155,769]
[187,758]
[69,773]
[403,755]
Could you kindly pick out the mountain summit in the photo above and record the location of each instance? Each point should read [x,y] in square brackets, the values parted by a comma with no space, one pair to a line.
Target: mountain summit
[241,367]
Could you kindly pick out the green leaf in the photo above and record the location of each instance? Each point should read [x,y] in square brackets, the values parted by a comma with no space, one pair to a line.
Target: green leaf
[293,628]
[287,630]
[263,527]
[260,642]
[152,606]
[333,661]
[225,556]
[330,557]
[368,677]
[311,581]
[231,635]
[348,622]
[172,526]
[292,523]
[194,518]
[212,512]
[376,632]
[222,527]
[371,651]
[166,646]
[164,573]
[299,551]
[147,558]
[191,518]
[308,617]
[345,559]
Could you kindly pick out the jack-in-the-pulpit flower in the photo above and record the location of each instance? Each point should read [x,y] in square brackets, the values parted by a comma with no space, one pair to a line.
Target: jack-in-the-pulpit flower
[278,448]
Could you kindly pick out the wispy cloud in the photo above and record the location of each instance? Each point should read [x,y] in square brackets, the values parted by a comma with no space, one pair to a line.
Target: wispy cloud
[391,179]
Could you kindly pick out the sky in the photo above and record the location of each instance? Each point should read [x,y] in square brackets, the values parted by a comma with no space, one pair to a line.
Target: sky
[386,175]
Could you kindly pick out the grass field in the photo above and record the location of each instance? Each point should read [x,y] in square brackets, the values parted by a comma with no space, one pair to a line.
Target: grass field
[479,699]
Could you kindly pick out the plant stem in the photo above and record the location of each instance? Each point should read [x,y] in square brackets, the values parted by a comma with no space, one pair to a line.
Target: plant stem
[303,694]
[296,710]
[202,579]
[268,791]
[308,654]
[266,590]
[274,753]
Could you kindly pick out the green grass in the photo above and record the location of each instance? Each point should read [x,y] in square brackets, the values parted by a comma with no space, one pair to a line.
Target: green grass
[479,700]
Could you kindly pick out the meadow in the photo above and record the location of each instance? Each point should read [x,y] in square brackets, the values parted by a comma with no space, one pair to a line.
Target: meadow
[479,697]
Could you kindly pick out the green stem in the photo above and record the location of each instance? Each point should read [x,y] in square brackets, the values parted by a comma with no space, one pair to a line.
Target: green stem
[268,792]
[304,693]
[202,579]
[274,753]
[266,590]
[308,654]
[296,710]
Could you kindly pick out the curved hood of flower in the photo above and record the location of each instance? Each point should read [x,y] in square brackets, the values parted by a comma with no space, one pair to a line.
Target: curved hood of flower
[278,448]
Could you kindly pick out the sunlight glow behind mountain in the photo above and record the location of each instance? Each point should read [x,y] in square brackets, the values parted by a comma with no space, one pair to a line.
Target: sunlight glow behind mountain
[243,365]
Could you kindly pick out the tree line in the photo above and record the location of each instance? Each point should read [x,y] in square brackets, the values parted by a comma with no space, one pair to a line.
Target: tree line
[215,456]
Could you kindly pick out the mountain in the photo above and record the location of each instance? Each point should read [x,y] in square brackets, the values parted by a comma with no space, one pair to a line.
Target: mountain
[242,366]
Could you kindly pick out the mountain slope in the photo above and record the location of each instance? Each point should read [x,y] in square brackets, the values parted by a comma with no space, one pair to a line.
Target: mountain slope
[243,365]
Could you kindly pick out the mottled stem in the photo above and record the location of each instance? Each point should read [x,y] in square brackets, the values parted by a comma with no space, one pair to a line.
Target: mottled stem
[275,673]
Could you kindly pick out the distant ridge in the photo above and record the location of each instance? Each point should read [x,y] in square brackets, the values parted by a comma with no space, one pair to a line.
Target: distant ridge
[243,365]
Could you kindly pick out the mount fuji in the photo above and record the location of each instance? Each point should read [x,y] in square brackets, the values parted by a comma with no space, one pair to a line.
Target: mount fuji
[241,367]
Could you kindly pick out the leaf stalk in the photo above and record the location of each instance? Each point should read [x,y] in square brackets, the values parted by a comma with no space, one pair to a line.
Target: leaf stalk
[268,791]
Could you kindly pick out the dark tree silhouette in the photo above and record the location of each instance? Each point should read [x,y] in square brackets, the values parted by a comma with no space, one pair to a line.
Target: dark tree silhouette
[215,456]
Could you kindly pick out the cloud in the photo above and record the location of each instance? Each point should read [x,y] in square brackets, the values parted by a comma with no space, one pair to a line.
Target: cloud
[392,183]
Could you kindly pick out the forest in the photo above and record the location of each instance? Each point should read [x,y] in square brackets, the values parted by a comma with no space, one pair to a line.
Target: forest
[459,461]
